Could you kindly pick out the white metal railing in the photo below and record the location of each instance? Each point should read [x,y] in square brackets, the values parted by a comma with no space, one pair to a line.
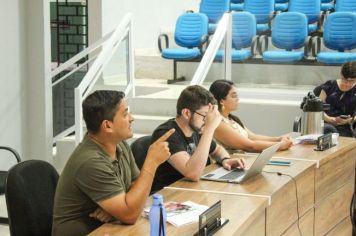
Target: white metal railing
[100,54]
[223,30]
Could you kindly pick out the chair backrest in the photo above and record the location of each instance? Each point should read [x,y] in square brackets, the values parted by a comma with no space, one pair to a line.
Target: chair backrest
[214,9]
[139,149]
[243,29]
[289,30]
[345,5]
[339,31]
[281,1]
[262,9]
[311,8]
[30,190]
[191,29]
[237,1]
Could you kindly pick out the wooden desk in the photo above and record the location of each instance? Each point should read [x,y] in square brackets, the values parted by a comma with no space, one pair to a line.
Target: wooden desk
[282,212]
[246,215]
[324,195]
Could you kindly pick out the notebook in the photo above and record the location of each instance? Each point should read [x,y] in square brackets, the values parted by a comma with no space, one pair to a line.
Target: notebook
[239,175]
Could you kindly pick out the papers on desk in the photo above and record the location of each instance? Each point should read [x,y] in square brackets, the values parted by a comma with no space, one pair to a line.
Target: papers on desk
[307,139]
[179,214]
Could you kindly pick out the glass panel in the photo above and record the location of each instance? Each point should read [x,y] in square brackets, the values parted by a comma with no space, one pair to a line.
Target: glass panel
[63,100]
[217,68]
[116,71]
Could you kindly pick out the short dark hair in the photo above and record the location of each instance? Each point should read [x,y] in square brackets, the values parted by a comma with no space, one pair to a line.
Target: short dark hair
[194,97]
[220,89]
[348,70]
[99,106]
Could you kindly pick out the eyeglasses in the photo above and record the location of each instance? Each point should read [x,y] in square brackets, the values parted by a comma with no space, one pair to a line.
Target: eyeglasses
[348,81]
[200,114]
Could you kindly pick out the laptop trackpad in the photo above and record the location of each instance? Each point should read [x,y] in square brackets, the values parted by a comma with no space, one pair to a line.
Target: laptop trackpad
[233,174]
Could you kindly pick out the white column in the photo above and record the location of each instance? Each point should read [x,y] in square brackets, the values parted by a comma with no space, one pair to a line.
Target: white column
[38,118]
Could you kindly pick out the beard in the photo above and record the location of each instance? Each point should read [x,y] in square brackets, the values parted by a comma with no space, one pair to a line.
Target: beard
[195,128]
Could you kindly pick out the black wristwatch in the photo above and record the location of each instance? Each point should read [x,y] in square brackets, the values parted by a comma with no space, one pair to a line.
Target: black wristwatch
[222,160]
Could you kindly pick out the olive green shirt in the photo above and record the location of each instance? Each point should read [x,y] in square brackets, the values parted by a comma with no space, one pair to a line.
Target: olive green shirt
[90,176]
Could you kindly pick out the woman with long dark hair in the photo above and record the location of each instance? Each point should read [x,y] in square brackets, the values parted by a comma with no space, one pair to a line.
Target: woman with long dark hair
[231,132]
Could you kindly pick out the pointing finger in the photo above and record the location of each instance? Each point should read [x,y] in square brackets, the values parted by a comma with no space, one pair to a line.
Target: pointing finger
[164,137]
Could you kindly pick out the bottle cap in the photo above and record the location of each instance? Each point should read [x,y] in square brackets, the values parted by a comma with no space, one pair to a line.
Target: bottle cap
[157,199]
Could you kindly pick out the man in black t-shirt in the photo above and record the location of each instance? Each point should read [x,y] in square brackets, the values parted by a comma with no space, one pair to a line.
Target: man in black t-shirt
[191,144]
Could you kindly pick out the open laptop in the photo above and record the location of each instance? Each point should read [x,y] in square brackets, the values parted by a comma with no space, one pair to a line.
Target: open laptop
[239,175]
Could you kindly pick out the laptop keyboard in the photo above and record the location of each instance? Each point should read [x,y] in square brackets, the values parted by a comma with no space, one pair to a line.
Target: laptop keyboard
[233,174]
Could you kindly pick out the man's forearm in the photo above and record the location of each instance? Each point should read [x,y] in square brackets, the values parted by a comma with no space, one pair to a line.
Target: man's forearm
[197,161]
[137,195]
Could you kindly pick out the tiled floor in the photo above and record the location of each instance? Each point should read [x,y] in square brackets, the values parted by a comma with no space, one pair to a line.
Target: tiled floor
[4,229]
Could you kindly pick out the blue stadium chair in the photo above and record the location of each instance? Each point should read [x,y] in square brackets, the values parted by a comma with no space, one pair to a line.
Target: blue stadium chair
[214,9]
[311,8]
[191,33]
[243,37]
[345,5]
[289,32]
[281,5]
[340,35]
[263,11]
[327,5]
[237,5]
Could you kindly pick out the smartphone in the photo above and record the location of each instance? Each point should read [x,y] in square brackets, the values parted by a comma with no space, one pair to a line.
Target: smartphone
[344,116]
[279,163]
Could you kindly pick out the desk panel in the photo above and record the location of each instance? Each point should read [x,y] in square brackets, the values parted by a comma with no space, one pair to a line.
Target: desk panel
[344,228]
[306,225]
[283,211]
[334,173]
[333,209]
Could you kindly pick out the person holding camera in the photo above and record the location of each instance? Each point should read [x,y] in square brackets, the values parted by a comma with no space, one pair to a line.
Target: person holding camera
[341,95]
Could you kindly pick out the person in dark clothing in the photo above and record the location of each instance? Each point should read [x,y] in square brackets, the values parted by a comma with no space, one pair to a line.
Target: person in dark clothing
[192,142]
[341,95]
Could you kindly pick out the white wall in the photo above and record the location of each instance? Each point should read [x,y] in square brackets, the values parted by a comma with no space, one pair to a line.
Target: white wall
[149,17]
[25,67]
[12,69]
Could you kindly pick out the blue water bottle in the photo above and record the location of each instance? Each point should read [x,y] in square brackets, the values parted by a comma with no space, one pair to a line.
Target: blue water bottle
[157,216]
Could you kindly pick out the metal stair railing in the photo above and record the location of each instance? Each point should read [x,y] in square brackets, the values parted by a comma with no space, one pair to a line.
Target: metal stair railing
[98,56]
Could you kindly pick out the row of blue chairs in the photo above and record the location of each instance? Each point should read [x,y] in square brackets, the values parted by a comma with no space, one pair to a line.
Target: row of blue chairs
[289,35]
[265,10]
[282,5]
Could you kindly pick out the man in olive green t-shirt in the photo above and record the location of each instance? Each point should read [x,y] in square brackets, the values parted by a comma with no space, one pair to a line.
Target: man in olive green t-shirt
[101,181]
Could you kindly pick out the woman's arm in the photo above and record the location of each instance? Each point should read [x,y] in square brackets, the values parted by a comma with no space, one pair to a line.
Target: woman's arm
[260,137]
[230,137]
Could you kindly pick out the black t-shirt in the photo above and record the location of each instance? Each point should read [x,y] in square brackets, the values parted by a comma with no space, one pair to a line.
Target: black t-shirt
[177,142]
[341,103]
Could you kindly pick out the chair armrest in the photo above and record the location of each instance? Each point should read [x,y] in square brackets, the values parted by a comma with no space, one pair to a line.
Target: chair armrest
[262,44]
[254,46]
[204,40]
[316,44]
[307,46]
[320,21]
[296,124]
[271,18]
[165,36]
[13,151]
